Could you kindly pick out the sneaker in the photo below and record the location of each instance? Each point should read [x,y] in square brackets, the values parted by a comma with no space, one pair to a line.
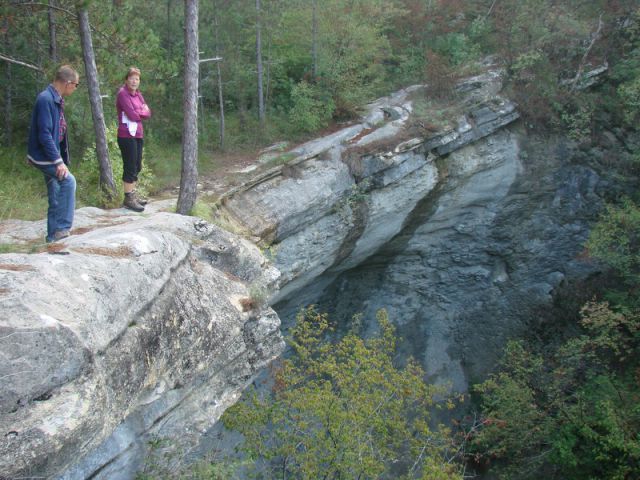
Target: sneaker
[60,234]
[132,203]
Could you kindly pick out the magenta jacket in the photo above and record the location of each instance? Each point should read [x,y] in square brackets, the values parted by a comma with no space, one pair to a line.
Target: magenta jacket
[131,104]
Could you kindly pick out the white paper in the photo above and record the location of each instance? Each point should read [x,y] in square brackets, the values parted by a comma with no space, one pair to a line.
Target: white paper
[131,125]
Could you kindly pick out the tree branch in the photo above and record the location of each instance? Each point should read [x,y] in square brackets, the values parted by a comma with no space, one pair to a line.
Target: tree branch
[490,9]
[45,5]
[594,38]
[18,62]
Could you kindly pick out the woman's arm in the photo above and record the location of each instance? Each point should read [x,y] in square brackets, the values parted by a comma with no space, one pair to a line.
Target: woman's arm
[145,111]
[125,104]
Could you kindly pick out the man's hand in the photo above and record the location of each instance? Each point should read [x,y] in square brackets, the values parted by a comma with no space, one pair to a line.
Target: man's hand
[61,171]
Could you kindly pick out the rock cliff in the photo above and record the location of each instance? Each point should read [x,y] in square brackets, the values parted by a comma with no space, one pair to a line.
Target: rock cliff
[453,218]
[342,197]
[142,330]
[447,214]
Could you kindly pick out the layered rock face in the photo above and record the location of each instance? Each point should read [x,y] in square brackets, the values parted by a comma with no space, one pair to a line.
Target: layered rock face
[146,330]
[478,257]
[461,229]
[344,196]
[459,224]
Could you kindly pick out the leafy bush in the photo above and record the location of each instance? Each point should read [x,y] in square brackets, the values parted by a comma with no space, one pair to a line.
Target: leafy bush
[312,109]
[570,415]
[630,95]
[343,410]
[87,176]
[578,122]
[615,240]
[458,48]
[23,193]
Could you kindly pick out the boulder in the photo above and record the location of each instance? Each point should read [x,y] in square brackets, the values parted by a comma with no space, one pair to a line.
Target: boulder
[144,329]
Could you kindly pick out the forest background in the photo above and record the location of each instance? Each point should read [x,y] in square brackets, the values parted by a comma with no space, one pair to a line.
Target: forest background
[289,69]
[292,69]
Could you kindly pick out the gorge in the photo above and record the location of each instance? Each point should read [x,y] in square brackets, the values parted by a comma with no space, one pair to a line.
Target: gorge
[457,220]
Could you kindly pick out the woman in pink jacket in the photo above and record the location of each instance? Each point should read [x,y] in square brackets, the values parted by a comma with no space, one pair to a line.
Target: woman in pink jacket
[132,109]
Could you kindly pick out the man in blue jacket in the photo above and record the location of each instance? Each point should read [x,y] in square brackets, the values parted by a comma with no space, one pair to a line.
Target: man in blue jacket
[48,150]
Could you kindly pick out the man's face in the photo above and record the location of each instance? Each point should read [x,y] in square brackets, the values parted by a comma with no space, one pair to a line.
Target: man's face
[71,87]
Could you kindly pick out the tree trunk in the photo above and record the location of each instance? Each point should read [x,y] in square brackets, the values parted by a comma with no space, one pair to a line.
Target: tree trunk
[314,40]
[221,102]
[8,98]
[169,41]
[53,43]
[219,74]
[106,173]
[594,38]
[259,62]
[189,176]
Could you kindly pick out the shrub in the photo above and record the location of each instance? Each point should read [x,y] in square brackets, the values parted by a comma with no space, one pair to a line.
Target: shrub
[88,176]
[312,109]
[23,193]
[343,410]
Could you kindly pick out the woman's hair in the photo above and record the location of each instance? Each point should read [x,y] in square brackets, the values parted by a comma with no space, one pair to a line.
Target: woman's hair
[131,71]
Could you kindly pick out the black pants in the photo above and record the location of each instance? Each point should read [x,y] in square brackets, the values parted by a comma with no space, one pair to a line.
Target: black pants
[131,149]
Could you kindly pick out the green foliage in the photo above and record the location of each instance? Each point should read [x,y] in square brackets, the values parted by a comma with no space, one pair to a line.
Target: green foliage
[578,123]
[572,414]
[87,175]
[627,72]
[458,48]
[312,109]
[615,240]
[630,95]
[159,464]
[23,193]
[343,410]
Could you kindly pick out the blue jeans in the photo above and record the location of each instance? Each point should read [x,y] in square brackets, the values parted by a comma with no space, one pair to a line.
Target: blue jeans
[62,200]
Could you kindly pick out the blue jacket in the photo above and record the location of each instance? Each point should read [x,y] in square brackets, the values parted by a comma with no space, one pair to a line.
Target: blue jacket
[45,147]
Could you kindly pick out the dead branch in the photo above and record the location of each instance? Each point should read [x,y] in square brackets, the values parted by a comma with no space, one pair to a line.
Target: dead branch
[18,62]
[45,5]
[594,38]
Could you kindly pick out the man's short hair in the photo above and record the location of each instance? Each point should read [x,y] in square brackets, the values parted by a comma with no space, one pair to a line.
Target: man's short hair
[66,73]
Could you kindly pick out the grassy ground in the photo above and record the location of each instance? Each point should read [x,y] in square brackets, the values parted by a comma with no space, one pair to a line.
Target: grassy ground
[23,193]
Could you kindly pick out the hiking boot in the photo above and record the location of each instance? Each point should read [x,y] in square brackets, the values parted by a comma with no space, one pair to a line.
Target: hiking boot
[141,200]
[132,203]
[60,234]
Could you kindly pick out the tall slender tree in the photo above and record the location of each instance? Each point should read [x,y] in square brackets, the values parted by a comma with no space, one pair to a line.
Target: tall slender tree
[219,77]
[189,175]
[53,41]
[314,39]
[106,173]
[261,114]
[8,94]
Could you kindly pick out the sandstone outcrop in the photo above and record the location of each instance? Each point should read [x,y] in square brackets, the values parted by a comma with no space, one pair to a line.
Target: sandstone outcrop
[342,197]
[447,214]
[461,224]
[145,329]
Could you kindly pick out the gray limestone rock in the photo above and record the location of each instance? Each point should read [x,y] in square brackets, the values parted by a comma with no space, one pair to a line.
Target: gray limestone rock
[152,326]
[146,329]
